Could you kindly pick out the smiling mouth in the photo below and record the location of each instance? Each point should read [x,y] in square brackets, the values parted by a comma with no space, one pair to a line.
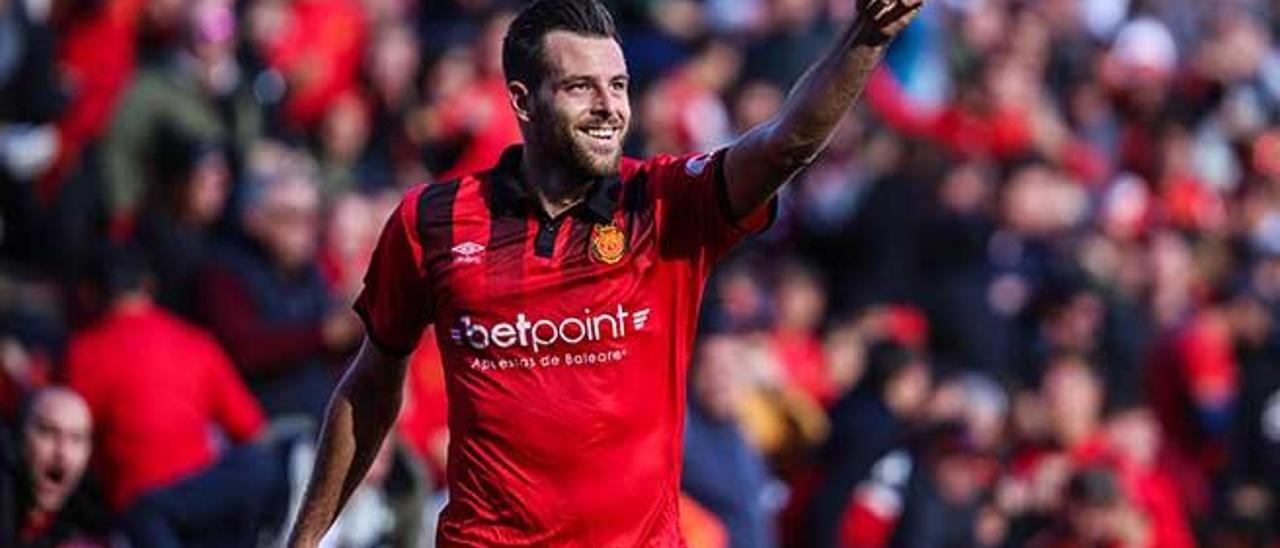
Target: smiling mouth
[602,134]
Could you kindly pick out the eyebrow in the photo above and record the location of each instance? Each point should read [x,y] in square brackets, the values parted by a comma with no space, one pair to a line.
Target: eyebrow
[573,78]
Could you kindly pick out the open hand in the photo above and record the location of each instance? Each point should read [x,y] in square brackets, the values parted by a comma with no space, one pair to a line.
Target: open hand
[881,20]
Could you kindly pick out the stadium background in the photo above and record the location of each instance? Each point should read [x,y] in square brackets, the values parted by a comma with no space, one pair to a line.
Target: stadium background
[1028,296]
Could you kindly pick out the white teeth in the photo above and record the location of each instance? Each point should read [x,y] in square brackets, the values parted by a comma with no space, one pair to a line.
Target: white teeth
[601,133]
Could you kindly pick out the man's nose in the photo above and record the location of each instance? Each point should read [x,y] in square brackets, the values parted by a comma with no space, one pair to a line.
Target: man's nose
[605,103]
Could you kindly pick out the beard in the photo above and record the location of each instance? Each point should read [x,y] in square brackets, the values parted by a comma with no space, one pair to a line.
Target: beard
[574,150]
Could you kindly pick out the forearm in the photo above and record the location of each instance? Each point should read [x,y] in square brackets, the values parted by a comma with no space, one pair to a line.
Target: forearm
[363,409]
[770,154]
[820,99]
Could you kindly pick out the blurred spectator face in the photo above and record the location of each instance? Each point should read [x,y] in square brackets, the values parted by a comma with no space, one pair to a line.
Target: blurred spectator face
[351,232]
[387,11]
[350,223]
[718,66]
[966,189]
[265,20]
[908,390]
[206,194]
[1029,42]
[165,17]
[741,298]
[846,355]
[1076,324]
[1141,61]
[1235,49]
[976,402]
[1249,320]
[393,64]
[213,29]
[579,114]
[801,301]
[680,19]
[1173,275]
[715,383]
[346,129]
[961,477]
[1136,434]
[56,444]
[756,103]
[1038,201]
[793,15]
[1074,399]
[1009,85]
[984,26]
[285,220]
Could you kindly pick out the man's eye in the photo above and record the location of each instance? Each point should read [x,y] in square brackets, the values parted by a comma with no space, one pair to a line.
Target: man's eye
[577,87]
[620,86]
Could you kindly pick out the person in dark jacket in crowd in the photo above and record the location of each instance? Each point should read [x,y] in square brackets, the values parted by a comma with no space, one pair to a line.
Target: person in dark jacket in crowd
[264,297]
[872,419]
[176,226]
[721,470]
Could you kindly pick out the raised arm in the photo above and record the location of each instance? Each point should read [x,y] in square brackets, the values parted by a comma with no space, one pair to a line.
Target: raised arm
[769,154]
[362,411]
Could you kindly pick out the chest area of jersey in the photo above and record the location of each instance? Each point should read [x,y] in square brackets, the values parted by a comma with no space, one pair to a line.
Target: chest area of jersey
[523,288]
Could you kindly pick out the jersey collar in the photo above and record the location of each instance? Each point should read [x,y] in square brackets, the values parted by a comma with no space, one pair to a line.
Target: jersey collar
[509,197]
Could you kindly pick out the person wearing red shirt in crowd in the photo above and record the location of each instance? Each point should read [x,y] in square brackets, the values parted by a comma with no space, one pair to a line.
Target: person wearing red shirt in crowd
[684,111]
[1192,380]
[565,284]
[1127,446]
[318,46]
[476,113]
[795,342]
[155,384]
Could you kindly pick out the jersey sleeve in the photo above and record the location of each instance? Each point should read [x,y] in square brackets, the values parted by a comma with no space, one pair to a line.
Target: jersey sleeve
[395,303]
[693,206]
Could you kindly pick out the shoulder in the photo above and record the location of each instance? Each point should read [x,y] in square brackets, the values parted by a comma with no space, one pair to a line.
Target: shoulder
[193,337]
[693,165]
[430,203]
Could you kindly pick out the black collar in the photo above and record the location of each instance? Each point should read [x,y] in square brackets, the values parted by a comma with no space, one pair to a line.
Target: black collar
[510,197]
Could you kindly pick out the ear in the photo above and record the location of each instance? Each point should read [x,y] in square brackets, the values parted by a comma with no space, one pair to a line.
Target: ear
[521,98]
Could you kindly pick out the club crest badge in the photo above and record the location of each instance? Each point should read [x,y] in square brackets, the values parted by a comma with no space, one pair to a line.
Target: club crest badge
[608,243]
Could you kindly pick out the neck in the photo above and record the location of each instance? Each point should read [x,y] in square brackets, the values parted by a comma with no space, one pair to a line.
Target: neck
[558,189]
[132,303]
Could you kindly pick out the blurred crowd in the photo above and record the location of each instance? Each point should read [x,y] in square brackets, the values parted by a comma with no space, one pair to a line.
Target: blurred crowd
[1028,297]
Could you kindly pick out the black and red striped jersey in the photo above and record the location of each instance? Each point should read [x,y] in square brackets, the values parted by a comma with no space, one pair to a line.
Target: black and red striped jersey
[565,342]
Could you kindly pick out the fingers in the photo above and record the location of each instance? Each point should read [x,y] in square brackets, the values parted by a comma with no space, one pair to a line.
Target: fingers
[901,20]
[894,14]
[880,9]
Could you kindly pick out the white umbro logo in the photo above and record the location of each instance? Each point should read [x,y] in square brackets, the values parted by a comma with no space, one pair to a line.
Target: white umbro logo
[467,253]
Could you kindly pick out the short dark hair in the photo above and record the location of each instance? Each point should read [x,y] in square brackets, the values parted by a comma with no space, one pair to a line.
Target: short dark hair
[522,48]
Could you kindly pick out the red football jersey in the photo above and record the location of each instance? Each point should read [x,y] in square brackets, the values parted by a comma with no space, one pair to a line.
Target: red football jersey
[565,343]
